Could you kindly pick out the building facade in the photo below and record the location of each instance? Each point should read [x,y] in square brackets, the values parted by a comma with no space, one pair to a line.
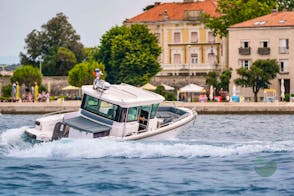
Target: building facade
[267,37]
[188,48]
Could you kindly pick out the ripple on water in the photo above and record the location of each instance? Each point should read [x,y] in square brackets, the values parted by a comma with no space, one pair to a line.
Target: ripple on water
[215,157]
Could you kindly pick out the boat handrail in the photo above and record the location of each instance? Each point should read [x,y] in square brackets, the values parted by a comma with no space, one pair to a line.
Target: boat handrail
[60,112]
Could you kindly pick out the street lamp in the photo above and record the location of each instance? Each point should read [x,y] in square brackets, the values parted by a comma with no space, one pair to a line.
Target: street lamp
[41,67]
[40,64]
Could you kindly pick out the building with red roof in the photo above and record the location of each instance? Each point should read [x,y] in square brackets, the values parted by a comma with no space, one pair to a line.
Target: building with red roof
[266,37]
[188,48]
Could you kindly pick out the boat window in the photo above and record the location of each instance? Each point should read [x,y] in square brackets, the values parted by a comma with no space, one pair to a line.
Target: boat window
[154,110]
[100,107]
[132,114]
[145,111]
[121,114]
[91,104]
[107,109]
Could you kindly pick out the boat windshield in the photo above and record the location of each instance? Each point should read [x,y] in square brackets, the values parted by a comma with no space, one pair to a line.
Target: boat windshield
[99,107]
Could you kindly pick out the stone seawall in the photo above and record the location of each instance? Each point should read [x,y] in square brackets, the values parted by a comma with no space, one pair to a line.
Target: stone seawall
[201,108]
[238,108]
[38,108]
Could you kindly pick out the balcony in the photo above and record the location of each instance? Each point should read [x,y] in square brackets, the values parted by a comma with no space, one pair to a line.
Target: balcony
[283,50]
[244,51]
[192,15]
[263,51]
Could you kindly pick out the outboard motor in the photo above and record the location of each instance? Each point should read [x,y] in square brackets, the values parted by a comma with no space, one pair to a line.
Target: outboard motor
[60,130]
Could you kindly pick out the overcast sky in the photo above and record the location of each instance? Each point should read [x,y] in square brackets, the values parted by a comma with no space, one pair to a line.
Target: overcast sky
[90,18]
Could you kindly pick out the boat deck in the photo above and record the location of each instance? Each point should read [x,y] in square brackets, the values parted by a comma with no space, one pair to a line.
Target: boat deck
[86,125]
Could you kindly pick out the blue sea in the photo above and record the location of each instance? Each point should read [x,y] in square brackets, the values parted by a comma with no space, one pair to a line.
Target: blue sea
[218,155]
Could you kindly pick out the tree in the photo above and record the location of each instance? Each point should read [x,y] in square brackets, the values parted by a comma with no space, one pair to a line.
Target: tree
[219,81]
[60,63]
[236,11]
[82,74]
[225,78]
[129,54]
[285,4]
[49,45]
[169,96]
[89,53]
[212,79]
[258,75]
[27,75]
[6,91]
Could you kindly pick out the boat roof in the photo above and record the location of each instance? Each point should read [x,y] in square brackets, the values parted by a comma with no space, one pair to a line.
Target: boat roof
[124,95]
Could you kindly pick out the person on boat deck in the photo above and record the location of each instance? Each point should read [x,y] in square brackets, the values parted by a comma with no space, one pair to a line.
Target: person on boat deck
[143,117]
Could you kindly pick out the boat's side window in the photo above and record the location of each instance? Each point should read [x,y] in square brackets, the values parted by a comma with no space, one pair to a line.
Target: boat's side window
[144,114]
[154,110]
[132,114]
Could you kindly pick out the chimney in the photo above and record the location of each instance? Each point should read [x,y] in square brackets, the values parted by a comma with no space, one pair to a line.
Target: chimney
[156,3]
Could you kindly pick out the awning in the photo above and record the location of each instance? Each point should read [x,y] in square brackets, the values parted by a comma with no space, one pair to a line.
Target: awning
[167,87]
[148,86]
[191,88]
[70,88]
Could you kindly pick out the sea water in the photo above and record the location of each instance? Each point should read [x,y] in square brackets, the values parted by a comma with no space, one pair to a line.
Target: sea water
[218,155]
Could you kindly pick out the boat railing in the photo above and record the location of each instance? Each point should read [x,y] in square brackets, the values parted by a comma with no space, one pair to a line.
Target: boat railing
[60,112]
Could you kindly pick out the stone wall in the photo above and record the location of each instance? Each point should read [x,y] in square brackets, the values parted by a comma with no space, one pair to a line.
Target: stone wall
[56,84]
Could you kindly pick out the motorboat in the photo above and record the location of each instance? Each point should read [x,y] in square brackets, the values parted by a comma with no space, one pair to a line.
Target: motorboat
[114,110]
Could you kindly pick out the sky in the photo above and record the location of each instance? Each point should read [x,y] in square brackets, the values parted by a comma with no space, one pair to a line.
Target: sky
[90,18]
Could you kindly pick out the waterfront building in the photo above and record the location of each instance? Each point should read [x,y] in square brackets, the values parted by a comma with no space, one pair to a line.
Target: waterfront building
[188,48]
[266,37]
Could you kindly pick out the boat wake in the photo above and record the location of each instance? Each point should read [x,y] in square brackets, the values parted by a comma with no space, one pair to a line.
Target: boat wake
[13,144]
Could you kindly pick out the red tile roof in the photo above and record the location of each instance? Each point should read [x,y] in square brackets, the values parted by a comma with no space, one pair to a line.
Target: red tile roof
[175,11]
[276,19]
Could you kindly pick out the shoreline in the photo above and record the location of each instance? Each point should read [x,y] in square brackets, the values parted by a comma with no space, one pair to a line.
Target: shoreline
[201,108]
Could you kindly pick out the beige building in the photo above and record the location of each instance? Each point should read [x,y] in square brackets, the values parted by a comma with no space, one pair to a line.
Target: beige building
[267,37]
[188,48]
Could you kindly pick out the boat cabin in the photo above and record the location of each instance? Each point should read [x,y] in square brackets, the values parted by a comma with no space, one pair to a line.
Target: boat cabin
[120,110]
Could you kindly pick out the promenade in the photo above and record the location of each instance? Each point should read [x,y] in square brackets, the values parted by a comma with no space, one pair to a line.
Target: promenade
[201,108]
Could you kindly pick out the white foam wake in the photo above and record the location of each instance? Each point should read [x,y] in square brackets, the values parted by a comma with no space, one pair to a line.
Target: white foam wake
[12,136]
[67,148]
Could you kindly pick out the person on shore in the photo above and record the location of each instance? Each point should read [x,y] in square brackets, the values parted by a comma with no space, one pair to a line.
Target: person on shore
[17,95]
[14,90]
[36,92]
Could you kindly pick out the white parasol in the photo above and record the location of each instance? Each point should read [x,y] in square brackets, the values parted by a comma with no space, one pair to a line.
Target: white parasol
[282,89]
[234,90]
[211,93]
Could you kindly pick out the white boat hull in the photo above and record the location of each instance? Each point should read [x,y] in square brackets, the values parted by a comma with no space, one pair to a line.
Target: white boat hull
[170,131]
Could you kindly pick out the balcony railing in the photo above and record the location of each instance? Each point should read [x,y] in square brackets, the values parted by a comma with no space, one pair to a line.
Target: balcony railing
[187,67]
[244,51]
[284,50]
[192,15]
[263,51]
